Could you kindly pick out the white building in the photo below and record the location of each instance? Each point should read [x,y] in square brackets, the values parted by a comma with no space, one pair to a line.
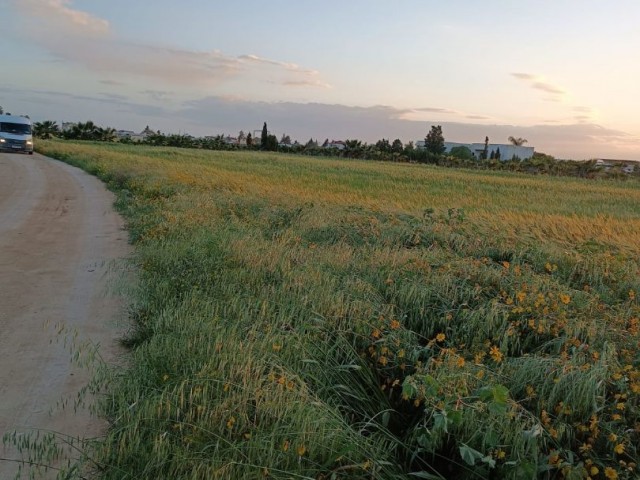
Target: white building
[337,144]
[507,151]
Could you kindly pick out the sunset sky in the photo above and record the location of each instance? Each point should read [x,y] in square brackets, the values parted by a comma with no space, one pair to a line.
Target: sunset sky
[564,74]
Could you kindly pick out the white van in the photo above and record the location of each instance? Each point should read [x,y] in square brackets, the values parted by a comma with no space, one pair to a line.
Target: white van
[15,134]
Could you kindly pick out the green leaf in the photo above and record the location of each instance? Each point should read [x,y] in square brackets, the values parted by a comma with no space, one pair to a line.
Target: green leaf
[489,461]
[500,394]
[441,422]
[386,416]
[470,455]
[455,417]
[426,475]
[431,385]
[408,387]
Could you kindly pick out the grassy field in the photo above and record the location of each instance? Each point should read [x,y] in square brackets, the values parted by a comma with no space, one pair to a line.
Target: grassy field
[326,319]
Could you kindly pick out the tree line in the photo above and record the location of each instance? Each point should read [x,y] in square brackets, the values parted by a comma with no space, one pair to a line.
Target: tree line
[382,150]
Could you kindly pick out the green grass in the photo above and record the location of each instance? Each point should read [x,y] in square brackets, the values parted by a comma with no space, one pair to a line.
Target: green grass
[324,318]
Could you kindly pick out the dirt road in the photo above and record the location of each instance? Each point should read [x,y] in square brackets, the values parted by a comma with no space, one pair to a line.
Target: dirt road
[59,237]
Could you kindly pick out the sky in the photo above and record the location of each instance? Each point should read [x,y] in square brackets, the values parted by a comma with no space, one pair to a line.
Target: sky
[564,74]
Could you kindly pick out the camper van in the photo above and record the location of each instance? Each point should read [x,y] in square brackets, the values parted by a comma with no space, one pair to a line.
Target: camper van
[15,134]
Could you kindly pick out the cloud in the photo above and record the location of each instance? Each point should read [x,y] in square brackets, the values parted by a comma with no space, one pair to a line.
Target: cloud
[264,61]
[113,97]
[547,87]
[317,120]
[157,95]
[437,110]
[477,117]
[113,83]
[524,76]
[82,39]
[306,83]
[443,111]
[108,108]
[228,114]
[538,83]
[59,14]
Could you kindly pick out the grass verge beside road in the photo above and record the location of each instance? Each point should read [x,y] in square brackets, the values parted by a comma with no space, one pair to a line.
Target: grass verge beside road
[321,318]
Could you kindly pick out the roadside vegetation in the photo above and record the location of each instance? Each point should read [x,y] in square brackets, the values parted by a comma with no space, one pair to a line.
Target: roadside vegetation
[383,150]
[331,318]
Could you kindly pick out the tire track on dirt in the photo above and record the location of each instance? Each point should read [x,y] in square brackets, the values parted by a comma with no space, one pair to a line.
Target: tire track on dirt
[58,237]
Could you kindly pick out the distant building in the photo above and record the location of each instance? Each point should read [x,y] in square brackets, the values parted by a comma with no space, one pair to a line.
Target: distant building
[507,151]
[625,166]
[125,133]
[338,144]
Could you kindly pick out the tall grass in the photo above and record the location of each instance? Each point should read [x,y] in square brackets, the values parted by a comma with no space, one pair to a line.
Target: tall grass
[300,318]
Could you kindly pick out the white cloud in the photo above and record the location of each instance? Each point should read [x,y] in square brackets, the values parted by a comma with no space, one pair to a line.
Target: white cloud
[58,14]
[84,40]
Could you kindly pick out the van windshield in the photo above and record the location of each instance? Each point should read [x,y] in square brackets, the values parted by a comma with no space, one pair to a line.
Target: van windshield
[15,128]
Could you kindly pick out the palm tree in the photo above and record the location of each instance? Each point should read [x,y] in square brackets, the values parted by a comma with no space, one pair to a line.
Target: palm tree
[46,129]
[106,134]
[83,131]
[518,142]
[353,148]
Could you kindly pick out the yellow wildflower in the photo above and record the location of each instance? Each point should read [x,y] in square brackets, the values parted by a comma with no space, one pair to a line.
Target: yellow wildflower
[440,337]
[594,471]
[301,450]
[610,473]
[612,437]
[564,298]
[496,354]
[619,449]
[395,324]
[231,422]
